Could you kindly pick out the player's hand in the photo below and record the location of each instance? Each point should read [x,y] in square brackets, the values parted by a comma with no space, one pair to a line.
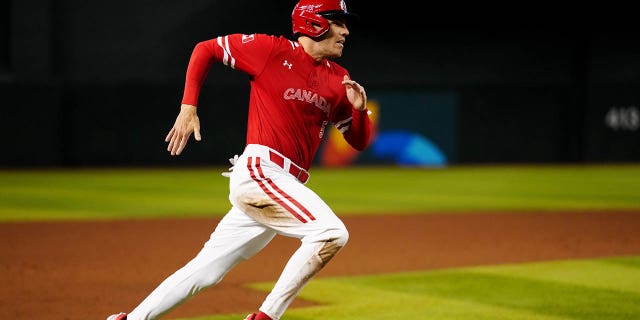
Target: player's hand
[355,93]
[186,123]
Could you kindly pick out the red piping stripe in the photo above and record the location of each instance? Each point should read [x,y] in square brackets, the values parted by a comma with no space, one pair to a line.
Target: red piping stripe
[267,191]
[288,197]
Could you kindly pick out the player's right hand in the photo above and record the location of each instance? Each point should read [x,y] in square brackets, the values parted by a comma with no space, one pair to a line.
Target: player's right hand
[186,123]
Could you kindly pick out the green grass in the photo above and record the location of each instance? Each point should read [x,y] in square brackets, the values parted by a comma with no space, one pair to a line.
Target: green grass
[583,289]
[598,289]
[191,192]
[110,193]
[471,188]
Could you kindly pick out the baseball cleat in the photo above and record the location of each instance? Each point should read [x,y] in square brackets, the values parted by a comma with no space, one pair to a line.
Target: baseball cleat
[250,316]
[119,316]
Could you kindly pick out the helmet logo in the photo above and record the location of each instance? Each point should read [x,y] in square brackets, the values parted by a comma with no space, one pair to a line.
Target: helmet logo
[310,8]
[343,6]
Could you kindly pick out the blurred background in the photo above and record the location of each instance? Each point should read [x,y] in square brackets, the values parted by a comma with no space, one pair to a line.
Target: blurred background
[95,83]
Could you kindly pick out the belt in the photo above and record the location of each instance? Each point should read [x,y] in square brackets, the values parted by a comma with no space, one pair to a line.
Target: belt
[301,174]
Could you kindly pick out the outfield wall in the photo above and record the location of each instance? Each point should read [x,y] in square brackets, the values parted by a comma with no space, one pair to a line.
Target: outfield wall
[100,83]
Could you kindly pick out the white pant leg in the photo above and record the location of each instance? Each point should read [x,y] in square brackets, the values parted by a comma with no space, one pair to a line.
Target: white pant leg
[236,238]
[276,199]
[321,239]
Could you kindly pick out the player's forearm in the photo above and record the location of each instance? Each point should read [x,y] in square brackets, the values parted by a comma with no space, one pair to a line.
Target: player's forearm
[200,62]
[359,133]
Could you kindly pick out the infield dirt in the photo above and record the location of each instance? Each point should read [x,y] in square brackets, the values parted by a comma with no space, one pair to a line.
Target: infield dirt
[88,270]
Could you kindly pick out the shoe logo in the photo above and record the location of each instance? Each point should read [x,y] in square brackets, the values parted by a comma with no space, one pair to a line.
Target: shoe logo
[287,64]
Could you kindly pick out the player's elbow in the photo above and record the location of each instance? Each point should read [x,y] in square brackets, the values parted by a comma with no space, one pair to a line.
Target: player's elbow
[359,140]
[359,144]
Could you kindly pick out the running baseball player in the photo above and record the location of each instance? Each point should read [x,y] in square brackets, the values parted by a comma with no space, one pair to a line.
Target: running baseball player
[296,91]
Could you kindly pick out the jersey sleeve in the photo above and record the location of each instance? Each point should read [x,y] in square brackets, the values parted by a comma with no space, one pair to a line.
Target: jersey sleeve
[247,53]
[354,125]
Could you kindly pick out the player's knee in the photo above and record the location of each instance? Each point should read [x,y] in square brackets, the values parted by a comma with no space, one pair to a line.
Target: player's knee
[342,236]
[332,243]
[338,235]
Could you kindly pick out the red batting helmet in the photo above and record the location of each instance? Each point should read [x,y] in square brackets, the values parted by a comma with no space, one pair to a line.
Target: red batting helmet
[308,13]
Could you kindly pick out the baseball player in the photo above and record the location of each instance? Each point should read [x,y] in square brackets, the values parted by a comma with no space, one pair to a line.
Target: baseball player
[296,91]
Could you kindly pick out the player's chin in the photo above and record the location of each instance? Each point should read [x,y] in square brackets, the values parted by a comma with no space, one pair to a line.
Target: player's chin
[335,54]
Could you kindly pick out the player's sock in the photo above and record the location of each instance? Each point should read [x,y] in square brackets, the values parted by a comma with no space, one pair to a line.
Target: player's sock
[262,316]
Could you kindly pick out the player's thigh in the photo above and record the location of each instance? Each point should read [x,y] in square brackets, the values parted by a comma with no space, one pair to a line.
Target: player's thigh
[290,208]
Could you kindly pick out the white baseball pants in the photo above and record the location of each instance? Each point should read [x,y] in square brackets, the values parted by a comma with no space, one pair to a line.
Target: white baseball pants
[266,200]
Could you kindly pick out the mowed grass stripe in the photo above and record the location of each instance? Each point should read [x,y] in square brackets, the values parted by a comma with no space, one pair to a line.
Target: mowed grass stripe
[131,193]
[579,289]
[111,193]
[488,188]
[622,274]
[99,203]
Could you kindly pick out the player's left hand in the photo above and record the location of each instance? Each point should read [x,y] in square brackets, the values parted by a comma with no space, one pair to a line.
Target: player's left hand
[355,93]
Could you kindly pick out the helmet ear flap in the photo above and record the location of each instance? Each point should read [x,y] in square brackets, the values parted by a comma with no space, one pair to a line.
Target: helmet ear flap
[309,24]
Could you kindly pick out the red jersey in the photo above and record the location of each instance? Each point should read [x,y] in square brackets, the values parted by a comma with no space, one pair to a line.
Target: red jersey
[293,97]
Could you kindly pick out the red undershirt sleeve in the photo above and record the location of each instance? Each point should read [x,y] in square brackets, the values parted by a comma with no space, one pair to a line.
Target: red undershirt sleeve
[200,62]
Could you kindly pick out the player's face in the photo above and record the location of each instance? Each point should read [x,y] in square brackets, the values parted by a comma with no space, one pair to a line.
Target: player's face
[333,41]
